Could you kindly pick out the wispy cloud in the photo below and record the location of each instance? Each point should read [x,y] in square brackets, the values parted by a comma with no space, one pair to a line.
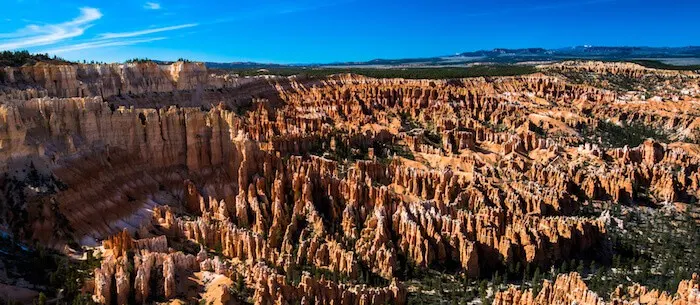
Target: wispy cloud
[67,36]
[100,44]
[152,6]
[146,32]
[41,35]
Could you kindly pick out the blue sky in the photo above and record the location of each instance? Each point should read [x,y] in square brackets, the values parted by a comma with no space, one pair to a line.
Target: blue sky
[305,31]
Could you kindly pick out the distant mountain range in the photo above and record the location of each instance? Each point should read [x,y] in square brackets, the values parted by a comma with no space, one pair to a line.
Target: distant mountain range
[670,55]
[593,51]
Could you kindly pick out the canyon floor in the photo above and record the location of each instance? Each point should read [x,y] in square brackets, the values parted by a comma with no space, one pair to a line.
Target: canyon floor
[140,183]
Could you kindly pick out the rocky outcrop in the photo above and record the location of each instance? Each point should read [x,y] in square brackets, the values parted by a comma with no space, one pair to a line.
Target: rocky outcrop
[156,275]
[688,293]
[272,289]
[570,289]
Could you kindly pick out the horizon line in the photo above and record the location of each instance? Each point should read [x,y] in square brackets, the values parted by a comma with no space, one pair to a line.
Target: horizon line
[375,59]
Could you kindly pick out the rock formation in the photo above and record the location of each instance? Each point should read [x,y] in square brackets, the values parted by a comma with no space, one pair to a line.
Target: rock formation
[570,289]
[303,188]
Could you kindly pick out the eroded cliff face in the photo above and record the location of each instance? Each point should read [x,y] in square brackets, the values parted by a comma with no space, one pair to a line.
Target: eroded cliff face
[105,80]
[319,190]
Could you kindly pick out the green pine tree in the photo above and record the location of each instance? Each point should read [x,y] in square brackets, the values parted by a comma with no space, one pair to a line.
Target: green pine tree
[536,281]
[42,299]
